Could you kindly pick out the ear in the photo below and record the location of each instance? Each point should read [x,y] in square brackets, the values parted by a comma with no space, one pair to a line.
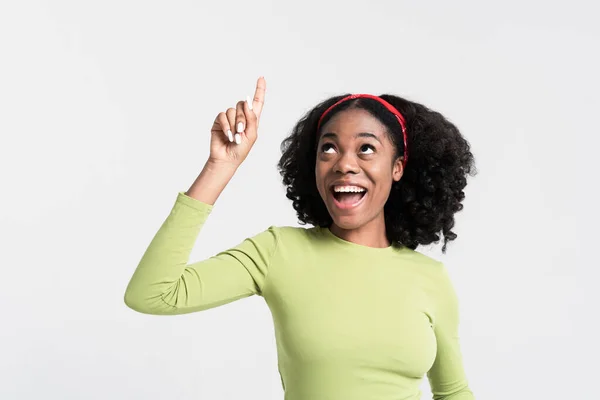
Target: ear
[397,170]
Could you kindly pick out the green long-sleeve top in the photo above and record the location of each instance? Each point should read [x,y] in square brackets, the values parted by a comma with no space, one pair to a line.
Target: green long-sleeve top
[351,322]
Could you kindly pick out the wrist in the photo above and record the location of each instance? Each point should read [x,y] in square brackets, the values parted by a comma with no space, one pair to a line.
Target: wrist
[220,167]
[211,181]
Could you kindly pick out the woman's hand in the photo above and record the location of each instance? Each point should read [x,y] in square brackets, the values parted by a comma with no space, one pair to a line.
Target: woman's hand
[232,136]
[234,131]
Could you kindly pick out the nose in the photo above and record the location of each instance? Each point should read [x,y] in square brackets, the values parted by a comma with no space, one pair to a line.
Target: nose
[346,164]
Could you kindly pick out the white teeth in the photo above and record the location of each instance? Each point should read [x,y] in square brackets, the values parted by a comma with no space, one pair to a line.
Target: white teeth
[355,189]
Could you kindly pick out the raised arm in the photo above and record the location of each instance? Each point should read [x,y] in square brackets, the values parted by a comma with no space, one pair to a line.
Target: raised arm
[164,282]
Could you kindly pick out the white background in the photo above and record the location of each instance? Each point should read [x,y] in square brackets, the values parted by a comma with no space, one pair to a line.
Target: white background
[105,111]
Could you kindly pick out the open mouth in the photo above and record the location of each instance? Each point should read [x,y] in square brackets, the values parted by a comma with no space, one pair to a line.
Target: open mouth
[348,196]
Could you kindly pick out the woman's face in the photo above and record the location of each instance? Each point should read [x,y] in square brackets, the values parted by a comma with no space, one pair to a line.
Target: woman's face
[355,168]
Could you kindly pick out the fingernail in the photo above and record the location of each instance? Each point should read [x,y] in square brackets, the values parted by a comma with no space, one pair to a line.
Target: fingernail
[249,102]
[238,138]
[230,135]
[240,127]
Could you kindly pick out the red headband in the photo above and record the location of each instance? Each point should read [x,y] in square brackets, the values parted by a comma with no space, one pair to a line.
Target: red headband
[387,105]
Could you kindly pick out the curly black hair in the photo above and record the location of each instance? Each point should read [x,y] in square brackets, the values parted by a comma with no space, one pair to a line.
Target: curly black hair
[423,203]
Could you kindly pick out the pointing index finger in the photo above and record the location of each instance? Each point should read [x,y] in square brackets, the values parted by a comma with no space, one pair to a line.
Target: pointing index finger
[259,96]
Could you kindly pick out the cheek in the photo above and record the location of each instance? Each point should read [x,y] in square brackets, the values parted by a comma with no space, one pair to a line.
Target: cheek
[380,173]
[383,178]
[319,175]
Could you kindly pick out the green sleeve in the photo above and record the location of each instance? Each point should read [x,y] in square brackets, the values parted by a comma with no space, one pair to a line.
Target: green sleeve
[447,376]
[164,283]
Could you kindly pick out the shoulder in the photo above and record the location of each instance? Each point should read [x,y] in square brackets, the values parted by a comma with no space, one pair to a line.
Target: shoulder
[276,237]
[422,259]
[433,273]
[426,265]
[294,234]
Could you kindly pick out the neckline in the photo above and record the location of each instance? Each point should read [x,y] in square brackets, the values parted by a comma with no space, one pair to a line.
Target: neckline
[360,247]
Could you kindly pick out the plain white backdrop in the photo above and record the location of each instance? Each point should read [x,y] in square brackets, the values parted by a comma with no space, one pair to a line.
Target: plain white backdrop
[105,112]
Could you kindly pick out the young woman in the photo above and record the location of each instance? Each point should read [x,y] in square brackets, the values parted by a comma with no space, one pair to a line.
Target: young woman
[358,312]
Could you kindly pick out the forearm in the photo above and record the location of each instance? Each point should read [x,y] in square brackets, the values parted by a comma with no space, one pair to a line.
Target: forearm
[155,285]
[211,182]
[159,273]
[166,283]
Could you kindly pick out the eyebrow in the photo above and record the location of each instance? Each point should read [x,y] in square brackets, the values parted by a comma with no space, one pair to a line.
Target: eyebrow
[360,134]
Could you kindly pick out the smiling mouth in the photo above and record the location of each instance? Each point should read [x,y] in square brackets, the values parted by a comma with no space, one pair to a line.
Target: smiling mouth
[348,196]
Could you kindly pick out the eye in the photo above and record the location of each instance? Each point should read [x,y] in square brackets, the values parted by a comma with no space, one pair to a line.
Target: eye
[367,149]
[328,148]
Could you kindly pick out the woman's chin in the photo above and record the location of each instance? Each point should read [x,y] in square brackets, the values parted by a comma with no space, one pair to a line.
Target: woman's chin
[348,222]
